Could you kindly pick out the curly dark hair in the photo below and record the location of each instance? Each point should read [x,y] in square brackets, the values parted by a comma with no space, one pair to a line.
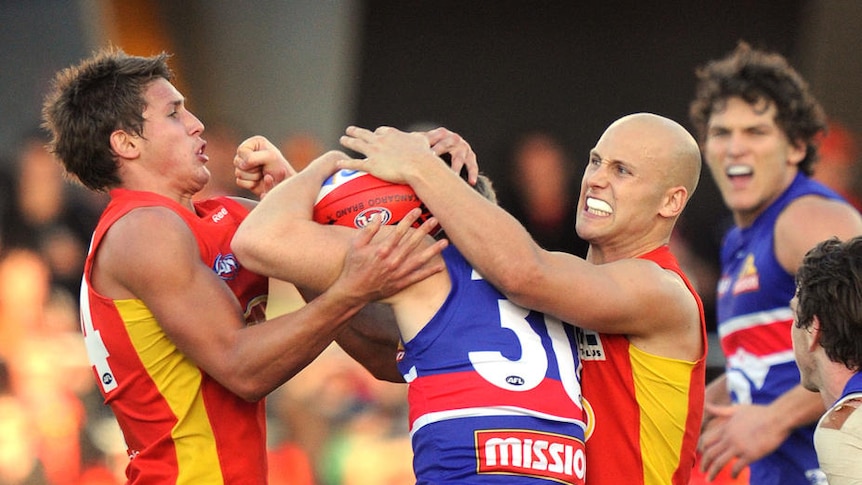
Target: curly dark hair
[829,286]
[757,75]
[91,100]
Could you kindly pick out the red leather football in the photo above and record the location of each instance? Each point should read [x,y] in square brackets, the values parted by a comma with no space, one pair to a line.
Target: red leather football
[351,197]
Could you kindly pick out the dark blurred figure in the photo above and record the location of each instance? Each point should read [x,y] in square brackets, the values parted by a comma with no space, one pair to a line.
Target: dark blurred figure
[539,190]
[47,213]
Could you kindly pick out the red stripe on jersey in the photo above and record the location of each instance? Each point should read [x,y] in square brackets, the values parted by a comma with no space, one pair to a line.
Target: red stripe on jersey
[460,390]
[760,340]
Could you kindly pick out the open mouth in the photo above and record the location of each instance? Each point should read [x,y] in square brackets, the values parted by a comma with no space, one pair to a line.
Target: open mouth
[739,171]
[201,152]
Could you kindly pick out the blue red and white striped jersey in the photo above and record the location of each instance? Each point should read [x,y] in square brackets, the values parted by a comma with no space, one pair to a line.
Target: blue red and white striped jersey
[754,322]
[494,390]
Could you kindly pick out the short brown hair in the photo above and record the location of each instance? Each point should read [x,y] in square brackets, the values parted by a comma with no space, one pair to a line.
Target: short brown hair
[91,100]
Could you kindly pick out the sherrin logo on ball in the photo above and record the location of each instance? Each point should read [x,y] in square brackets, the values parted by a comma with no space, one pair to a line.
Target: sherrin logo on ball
[350,197]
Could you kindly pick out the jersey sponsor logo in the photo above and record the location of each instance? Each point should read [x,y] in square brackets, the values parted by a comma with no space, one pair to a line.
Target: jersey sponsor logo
[748,279]
[226,266]
[530,453]
[218,216]
[590,345]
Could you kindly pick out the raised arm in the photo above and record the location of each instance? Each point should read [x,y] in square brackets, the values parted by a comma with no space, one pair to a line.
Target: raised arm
[631,292]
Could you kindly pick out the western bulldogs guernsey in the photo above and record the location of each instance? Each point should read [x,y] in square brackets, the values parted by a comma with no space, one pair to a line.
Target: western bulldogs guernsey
[180,425]
[494,390]
[754,320]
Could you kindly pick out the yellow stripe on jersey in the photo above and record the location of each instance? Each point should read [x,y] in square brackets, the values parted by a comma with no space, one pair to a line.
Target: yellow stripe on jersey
[178,381]
[662,390]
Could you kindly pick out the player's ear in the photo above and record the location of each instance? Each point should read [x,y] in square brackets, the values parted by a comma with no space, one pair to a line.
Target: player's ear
[125,145]
[814,329]
[674,201]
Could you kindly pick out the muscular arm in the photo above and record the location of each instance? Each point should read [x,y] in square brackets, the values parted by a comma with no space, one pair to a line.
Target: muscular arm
[279,239]
[620,297]
[199,313]
[202,317]
[371,339]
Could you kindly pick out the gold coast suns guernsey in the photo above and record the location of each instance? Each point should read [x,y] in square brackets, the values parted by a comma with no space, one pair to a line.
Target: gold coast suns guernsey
[644,410]
[180,425]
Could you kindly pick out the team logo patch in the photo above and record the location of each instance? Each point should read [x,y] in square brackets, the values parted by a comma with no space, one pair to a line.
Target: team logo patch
[363,218]
[226,266]
[530,453]
[748,278]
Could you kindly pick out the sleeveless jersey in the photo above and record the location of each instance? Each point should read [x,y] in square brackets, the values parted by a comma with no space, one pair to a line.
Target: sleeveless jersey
[644,410]
[838,447]
[754,319]
[180,425]
[494,390]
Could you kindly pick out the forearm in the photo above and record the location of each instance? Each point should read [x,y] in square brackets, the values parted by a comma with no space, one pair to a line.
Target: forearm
[371,338]
[716,391]
[498,247]
[263,242]
[306,332]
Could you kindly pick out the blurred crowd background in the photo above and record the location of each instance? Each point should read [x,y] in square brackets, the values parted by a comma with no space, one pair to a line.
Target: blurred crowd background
[531,84]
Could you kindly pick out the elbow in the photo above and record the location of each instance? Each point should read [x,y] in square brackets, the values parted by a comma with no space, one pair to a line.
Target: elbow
[388,373]
[249,390]
[251,395]
[246,251]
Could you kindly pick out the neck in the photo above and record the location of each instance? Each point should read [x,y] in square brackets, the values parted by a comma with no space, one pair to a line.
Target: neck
[836,378]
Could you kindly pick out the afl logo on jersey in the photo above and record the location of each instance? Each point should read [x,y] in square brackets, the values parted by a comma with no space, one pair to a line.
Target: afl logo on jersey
[226,266]
[515,380]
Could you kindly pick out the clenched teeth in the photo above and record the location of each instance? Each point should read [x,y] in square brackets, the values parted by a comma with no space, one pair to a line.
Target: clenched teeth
[598,207]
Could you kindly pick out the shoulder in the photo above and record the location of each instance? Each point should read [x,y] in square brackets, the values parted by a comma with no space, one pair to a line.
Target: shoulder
[142,247]
[839,416]
[149,236]
[815,204]
[808,220]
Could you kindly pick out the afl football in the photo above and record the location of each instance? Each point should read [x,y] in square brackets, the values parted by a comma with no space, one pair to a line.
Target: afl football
[350,197]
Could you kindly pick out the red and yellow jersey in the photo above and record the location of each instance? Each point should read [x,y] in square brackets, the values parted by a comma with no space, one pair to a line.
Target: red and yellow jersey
[644,410]
[180,425]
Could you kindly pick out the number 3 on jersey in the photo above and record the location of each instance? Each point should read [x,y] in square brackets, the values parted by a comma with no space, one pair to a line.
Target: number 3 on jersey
[528,372]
